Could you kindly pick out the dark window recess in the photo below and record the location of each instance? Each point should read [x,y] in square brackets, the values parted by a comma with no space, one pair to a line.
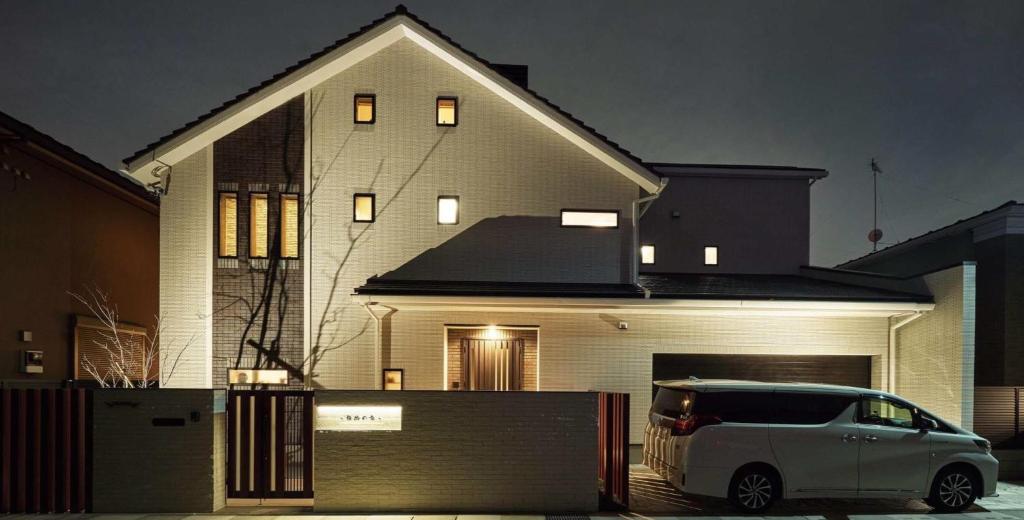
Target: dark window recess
[807,408]
[736,407]
[672,403]
[168,421]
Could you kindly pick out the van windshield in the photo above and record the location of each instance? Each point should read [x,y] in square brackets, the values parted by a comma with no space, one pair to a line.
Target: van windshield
[672,403]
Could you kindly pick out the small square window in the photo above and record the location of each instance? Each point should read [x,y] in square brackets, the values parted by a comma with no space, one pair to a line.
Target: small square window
[711,255]
[448,209]
[364,207]
[365,109]
[447,111]
[647,254]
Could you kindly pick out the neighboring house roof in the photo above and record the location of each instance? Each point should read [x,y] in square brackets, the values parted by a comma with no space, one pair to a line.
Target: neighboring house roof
[767,287]
[960,226]
[27,133]
[736,170]
[363,43]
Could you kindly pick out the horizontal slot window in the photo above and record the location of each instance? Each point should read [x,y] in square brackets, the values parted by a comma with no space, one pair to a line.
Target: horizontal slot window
[590,218]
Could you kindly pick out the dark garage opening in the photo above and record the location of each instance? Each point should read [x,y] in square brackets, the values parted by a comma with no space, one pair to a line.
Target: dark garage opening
[835,370]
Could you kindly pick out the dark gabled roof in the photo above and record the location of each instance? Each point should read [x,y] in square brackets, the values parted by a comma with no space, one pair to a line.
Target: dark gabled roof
[378,286]
[767,287]
[30,134]
[929,234]
[399,10]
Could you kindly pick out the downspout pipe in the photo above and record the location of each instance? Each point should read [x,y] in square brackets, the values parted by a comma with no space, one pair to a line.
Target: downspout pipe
[640,206]
[895,323]
[377,332]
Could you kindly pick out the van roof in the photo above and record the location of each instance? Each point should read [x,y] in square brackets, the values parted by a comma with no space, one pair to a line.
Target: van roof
[713,385]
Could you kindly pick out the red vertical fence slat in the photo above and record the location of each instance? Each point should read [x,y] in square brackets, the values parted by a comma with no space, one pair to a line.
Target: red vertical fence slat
[613,450]
[45,450]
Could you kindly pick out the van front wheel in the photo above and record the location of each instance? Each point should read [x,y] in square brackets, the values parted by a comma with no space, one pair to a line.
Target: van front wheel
[953,490]
[753,490]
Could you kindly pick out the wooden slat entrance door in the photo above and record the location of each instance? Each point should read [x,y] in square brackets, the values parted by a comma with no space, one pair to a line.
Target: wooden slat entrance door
[270,444]
[493,364]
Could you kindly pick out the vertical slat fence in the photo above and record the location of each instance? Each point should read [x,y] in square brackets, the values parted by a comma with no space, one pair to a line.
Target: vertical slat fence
[45,450]
[613,450]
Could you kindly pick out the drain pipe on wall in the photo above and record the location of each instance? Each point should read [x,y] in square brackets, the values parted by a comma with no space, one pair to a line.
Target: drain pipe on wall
[638,211]
[893,327]
[377,331]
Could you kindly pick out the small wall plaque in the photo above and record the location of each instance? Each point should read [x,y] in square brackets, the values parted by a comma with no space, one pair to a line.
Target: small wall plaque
[369,418]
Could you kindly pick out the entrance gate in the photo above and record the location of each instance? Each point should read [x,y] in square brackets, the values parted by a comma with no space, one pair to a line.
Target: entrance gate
[270,444]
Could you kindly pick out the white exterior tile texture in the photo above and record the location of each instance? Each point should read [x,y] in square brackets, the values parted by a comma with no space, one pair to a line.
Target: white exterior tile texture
[186,282]
[935,353]
[499,161]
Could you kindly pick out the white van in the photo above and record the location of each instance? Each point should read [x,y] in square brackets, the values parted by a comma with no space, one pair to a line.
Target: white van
[754,443]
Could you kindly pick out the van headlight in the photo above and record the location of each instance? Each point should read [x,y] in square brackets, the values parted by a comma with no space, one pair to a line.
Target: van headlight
[984,444]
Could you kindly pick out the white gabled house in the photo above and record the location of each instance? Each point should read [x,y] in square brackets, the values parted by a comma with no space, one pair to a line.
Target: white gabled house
[394,211]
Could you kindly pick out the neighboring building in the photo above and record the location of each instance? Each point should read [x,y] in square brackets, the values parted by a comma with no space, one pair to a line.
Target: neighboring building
[67,224]
[994,241]
[394,211]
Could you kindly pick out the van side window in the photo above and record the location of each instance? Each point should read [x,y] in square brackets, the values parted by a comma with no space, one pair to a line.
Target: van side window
[735,407]
[886,412]
[808,408]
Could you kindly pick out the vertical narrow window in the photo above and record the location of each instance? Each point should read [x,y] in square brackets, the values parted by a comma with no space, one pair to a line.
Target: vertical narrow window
[647,254]
[365,109]
[228,225]
[447,111]
[364,207]
[711,255]
[258,225]
[289,225]
[448,209]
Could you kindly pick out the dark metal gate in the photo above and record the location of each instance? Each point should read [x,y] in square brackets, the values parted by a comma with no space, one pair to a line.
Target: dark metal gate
[270,444]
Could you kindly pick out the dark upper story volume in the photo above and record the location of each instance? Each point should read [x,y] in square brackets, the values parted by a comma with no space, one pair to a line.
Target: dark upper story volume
[755,218]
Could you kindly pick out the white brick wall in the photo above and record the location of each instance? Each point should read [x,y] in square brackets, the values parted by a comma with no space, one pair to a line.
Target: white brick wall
[589,352]
[186,256]
[935,353]
[498,160]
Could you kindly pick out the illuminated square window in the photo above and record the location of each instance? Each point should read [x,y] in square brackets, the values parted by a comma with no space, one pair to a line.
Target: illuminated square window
[647,254]
[289,225]
[365,109]
[364,207]
[590,218]
[447,209]
[711,255]
[258,216]
[447,111]
[228,225]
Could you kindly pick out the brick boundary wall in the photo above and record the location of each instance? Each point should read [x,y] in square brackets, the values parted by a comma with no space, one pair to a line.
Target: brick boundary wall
[462,452]
[141,467]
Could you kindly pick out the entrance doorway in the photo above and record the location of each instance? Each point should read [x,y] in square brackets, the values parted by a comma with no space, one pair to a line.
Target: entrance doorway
[491,358]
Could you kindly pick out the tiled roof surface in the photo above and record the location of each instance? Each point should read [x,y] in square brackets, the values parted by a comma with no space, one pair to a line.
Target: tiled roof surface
[454,288]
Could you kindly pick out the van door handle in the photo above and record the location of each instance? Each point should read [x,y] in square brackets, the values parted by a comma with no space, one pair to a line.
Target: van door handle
[870,438]
[849,437]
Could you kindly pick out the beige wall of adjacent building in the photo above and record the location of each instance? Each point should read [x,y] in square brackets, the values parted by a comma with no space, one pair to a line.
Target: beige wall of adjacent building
[587,351]
[935,353]
[498,160]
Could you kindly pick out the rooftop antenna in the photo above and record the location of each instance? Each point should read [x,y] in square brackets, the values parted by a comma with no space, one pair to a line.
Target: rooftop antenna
[875,234]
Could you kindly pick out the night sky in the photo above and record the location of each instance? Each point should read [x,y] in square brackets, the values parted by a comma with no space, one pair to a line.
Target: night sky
[934,90]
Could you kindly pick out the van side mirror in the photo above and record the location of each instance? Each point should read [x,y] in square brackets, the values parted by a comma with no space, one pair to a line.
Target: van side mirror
[927,424]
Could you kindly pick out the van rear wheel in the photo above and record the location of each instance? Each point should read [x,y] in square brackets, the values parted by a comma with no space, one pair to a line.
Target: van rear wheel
[753,490]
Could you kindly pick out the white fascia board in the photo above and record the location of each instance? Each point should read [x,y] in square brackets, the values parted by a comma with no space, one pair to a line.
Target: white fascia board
[643,306]
[354,52]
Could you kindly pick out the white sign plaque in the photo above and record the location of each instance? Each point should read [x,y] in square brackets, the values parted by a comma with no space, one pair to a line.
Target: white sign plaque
[368,418]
